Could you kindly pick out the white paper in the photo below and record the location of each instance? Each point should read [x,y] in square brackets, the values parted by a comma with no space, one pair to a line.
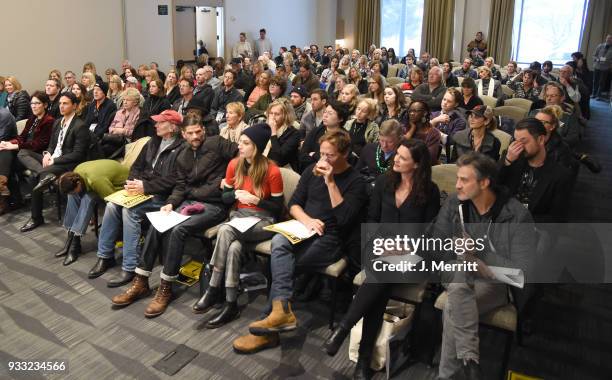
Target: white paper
[243,224]
[162,221]
[297,229]
[510,276]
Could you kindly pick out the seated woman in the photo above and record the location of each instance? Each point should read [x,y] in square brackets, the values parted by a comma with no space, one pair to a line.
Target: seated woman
[234,124]
[376,158]
[469,94]
[120,130]
[416,79]
[87,185]
[348,96]
[524,86]
[363,129]
[486,85]
[449,120]
[171,87]
[376,68]
[17,99]
[376,89]
[156,102]
[326,75]
[394,107]
[34,137]
[285,139]
[88,80]
[262,87]
[255,186]
[80,91]
[354,77]
[478,137]
[420,128]
[449,79]
[338,81]
[276,90]
[406,194]
[115,88]
[363,67]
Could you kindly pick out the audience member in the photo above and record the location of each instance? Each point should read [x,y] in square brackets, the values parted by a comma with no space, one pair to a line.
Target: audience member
[306,78]
[466,70]
[262,44]
[525,86]
[285,137]
[478,137]
[487,85]
[298,96]
[313,118]
[432,91]
[234,123]
[17,98]
[224,94]
[469,94]
[420,128]
[363,129]
[394,107]
[83,97]
[449,79]
[100,113]
[479,44]
[171,87]
[602,67]
[449,120]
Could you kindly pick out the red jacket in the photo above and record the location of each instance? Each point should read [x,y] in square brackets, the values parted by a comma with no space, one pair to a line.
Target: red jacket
[42,134]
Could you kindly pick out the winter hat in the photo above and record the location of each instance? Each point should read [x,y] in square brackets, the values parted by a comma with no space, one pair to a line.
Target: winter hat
[259,134]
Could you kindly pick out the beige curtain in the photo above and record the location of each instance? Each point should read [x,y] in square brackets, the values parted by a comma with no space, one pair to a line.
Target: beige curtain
[438,24]
[368,24]
[596,27]
[500,30]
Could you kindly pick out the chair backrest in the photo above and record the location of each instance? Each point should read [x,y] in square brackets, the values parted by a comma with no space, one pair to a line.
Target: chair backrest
[21,125]
[445,176]
[489,100]
[507,90]
[393,70]
[132,150]
[504,139]
[393,81]
[290,181]
[515,113]
[520,103]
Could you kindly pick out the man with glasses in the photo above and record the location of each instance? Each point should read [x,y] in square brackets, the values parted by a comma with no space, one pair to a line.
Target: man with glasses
[70,79]
[186,91]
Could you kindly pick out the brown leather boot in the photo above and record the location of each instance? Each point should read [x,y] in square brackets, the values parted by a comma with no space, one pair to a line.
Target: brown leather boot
[160,302]
[250,344]
[4,205]
[138,289]
[281,319]
[4,191]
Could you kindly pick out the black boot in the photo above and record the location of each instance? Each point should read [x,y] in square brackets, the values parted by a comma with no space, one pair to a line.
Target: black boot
[363,370]
[101,266]
[74,251]
[211,297]
[64,251]
[471,370]
[229,312]
[333,343]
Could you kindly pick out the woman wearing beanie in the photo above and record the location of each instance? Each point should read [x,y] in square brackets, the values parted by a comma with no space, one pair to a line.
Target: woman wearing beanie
[254,185]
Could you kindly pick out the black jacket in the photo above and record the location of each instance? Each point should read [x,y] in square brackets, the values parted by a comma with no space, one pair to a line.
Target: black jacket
[206,94]
[53,107]
[284,148]
[174,95]
[549,199]
[463,144]
[20,105]
[367,162]
[158,180]
[8,127]
[221,99]
[561,152]
[154,105]
[102,116]
[75,145]
[311,144]
[199,173]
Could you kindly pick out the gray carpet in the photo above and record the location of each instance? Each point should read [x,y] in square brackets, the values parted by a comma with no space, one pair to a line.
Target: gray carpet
[48,311]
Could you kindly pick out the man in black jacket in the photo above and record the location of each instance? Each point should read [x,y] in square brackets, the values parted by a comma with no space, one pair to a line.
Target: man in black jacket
[52,89]
[101,112]
[200,168]
[535,178]
[67,148]
[224,94]
[153,173]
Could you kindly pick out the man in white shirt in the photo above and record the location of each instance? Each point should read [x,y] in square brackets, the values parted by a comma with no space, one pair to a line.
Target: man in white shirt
[263,44]
[242,48]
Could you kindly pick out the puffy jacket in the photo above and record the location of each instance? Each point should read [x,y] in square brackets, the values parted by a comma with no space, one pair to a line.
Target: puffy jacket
[19,105]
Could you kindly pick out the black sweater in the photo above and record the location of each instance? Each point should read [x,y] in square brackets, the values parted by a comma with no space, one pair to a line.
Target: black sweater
[102,116]
[284,148]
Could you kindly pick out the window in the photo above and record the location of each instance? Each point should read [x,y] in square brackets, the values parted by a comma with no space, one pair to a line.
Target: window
[401,23]
[547,30]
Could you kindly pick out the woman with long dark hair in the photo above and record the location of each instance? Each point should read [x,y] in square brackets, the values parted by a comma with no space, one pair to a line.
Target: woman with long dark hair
[394,107]
[254,185]
[405,194]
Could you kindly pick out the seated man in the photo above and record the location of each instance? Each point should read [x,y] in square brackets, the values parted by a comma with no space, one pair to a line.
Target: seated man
[509,243]
[100,113]
[569,128]
[376,158]
[224,95]
[298,97]
[547,74]
[569,83]
[312,119]
[535,178]
[466,70]
[186,90]
[52,89]
[525,86]
[306,78]
[209,77]
[328,200]
[433,91]
[67,148]
[153,173]
[200,168]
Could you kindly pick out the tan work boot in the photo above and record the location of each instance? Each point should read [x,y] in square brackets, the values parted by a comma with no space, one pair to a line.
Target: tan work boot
[250,344]
[4,191]
[160,302]
[281,319]
[138,289]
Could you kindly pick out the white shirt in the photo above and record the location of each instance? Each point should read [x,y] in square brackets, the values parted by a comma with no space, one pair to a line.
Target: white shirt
[242,48]
[65,123]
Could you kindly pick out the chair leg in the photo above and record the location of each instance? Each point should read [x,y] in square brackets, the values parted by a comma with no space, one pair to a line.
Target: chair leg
[332,312]
[506,358]
[436,332]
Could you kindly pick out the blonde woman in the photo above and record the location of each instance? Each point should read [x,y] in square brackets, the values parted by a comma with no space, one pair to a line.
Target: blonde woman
[253,184]
[17,100]
[122,126]
[171,87]
[363,129]
[348,95]
[150,75]
[83,96]
[88,80]
[234,125]
[89,67]
[285,137]
[115,88]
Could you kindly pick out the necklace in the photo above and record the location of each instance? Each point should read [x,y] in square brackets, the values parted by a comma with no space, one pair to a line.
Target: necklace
[382,167]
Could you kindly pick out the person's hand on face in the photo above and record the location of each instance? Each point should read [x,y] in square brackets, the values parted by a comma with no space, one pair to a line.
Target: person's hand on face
[514,151]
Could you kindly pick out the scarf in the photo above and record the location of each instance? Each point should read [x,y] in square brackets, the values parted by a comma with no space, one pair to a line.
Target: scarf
[489,90]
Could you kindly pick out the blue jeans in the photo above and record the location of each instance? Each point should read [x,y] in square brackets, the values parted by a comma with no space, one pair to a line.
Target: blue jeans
[79,211]
[114,217]
[316,252]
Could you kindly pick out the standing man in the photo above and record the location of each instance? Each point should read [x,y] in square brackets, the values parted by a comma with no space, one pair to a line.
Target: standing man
[602,66]
[67,148]
[263,44]
[242,48]
[52,89]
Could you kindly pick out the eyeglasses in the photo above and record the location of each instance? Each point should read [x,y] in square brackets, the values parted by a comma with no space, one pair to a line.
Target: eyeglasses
[35,103]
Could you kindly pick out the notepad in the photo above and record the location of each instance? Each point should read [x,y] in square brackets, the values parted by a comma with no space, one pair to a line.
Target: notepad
[121,198]
[293,230]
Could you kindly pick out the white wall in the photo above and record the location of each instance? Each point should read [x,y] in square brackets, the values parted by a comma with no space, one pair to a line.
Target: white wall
[288,23]
[347,19]
[40,35]
[476,19]
[149,35]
